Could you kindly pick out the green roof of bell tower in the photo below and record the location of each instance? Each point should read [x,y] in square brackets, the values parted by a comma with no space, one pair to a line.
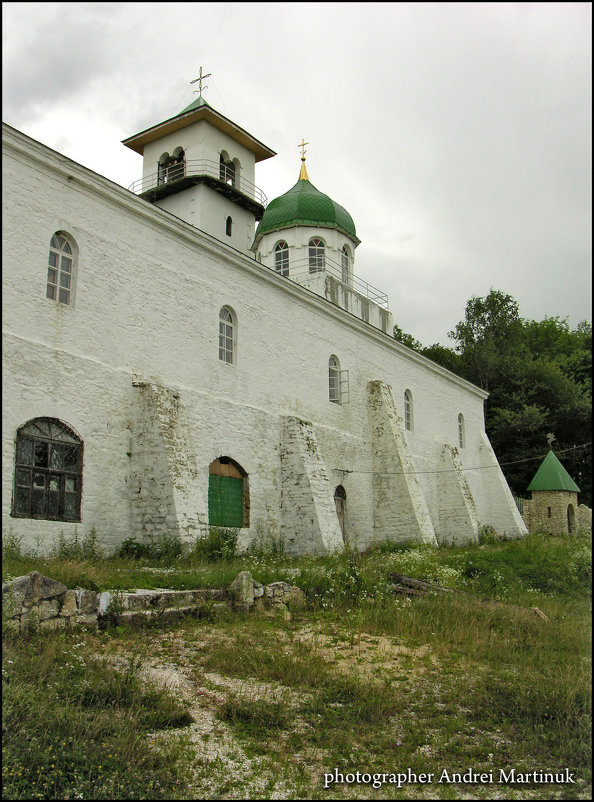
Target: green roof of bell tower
[552,476]
[304,205]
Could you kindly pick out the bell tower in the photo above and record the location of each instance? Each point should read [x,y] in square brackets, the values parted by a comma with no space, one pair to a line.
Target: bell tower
[200,166]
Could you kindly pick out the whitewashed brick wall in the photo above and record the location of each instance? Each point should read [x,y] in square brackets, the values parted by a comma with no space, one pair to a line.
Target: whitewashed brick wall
[148,293]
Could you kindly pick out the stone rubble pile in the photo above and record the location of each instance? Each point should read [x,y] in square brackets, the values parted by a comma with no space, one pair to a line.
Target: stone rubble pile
[35,601]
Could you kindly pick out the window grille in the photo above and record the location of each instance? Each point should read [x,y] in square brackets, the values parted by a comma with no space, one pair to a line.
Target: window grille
[48,471]
[461,431]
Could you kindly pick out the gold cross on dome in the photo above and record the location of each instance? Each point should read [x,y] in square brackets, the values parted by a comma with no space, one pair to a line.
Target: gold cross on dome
[200,78]
[302,146]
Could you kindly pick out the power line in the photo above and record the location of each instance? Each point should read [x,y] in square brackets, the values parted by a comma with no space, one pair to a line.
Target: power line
[456,470]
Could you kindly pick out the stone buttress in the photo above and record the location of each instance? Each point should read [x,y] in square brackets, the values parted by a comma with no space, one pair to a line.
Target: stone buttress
[400,510]
[167,497]
[458,517]
[308,513]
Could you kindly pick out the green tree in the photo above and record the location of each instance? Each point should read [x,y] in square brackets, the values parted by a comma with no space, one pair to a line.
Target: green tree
[406,339]
[539,379]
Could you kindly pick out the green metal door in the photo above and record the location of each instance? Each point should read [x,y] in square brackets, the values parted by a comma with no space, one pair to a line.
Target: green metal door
[225,501]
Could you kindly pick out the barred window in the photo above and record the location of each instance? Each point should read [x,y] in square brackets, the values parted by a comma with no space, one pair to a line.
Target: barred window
[461,431]
[48,471]
[408,410]
[60,271]
[281,258]
[316,255]
[227,336]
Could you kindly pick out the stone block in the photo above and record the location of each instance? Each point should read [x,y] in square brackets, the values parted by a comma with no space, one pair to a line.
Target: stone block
[295,598]
[53,623]
[87,601]
[48,608]
[88,620]
[242,589]
[69,605]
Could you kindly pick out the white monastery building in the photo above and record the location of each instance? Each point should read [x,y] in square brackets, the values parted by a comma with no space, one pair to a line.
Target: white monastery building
[181,354]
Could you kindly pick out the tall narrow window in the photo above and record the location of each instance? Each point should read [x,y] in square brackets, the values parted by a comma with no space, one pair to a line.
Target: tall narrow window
[48,471]
[461,431]
[227,336]
[340,503]
[281,258]
[60,270]
[334,380]
[408,410]
[228,226]
[345,264]
[228,494]
[316,255]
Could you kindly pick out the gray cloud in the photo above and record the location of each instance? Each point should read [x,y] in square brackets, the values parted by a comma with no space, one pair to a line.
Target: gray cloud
[457,135]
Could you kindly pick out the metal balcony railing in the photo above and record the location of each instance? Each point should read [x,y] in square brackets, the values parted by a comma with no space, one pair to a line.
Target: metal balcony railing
[197,168]
[300,270]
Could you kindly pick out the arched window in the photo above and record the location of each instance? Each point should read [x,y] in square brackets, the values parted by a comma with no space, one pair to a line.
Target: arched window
[316,255]
[60,271]
[281,258]
[227,336]
[172,167]
[228,226]
[47,471]
[177,168]
[345,264]
[461,431]
[340,503]
[228,494]
[334,380]
[226,169]
[163,164]
[408,411]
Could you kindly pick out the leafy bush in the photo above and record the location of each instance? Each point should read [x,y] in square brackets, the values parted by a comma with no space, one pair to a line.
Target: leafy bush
[88,548]
[164,548]
[218,545]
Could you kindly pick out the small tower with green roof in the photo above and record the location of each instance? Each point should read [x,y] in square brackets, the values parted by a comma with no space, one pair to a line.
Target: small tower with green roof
[554,504]
[200,166]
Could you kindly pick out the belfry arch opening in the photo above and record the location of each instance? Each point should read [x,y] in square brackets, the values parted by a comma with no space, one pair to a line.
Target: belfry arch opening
[228,494]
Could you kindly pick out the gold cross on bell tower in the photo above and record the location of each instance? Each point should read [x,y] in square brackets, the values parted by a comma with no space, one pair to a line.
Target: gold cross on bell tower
[303,174]
[200,78]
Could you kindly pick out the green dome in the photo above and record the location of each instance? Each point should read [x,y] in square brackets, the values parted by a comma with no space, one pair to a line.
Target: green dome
[304,205]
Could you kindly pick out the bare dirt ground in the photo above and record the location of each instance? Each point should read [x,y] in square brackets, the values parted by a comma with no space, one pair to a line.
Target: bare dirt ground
[226,766]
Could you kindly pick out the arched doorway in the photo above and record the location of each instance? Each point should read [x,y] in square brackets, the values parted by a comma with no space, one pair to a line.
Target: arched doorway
[340,502]
[571,519]
[228,494]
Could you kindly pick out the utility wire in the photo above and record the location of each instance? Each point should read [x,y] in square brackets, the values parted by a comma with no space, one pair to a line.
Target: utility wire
[456,470]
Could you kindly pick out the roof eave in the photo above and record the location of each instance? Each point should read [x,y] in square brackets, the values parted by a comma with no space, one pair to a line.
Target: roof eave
[138,141]
[305,224]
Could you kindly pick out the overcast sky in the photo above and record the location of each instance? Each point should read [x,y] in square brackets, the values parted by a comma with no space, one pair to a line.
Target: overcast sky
[458,136]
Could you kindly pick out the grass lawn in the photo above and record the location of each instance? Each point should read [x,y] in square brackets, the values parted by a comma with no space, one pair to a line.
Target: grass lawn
[435,697]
